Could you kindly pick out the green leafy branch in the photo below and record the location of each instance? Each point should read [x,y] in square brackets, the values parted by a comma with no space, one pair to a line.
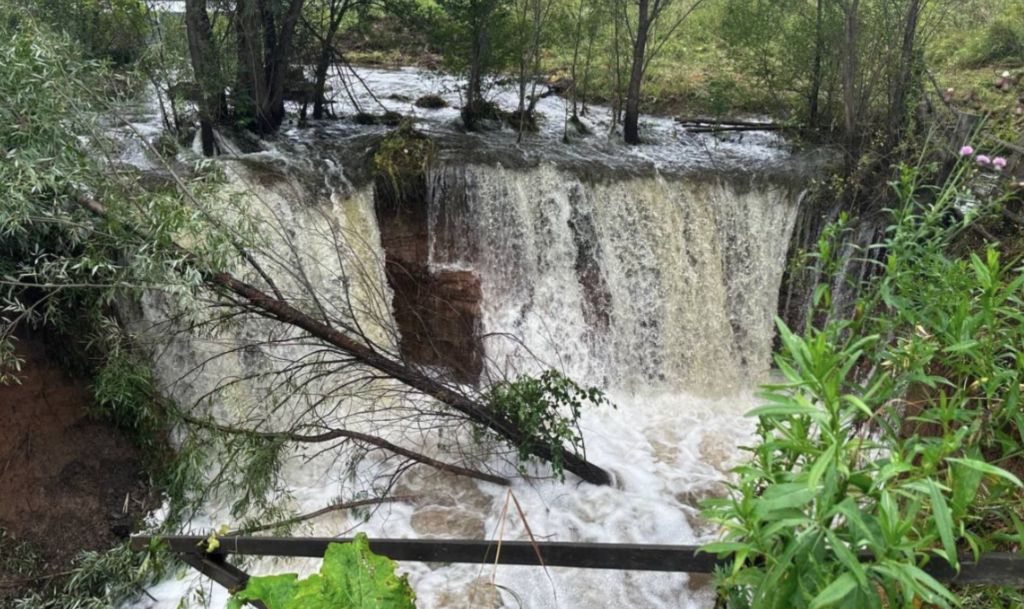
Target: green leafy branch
[547,409]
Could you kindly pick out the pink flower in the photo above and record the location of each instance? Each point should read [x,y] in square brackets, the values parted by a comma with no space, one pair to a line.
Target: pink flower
[999,163]
[966,151]
[983,160]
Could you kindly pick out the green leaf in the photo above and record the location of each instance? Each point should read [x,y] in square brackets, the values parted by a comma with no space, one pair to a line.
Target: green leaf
[784,411]
[859,404]
[369,580]
[276,591]
[847,557]
[991,470]
[931,584]
[820,466]
[835,592]
[783,496]
[858,520]
[351,577]
[944,522]
[966,481]
[962,346]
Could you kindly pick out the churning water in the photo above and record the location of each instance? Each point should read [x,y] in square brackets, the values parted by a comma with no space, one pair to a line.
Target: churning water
[673,317]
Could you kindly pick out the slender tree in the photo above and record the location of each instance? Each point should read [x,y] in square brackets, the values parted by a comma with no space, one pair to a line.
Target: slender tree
[649,13]
[851,102]
[324,26]
[206,68]
[264,31]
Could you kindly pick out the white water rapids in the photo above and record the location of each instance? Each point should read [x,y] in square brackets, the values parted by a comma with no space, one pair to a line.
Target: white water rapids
[690,271]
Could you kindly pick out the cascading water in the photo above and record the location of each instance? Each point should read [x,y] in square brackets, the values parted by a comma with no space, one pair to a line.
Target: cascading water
[647,271]
[635,284]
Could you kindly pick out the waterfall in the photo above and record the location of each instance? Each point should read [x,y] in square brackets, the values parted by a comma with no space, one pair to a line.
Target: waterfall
[638,283]
[661,291]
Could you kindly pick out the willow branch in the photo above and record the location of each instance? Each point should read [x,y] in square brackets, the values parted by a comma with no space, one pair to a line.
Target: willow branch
[337,507]
[355,436]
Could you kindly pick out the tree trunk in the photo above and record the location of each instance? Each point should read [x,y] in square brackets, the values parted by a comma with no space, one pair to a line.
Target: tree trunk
[324,62]
[206,69]
[411,377]
[277,63]
[905,76]
[617,93]
[478,51]
[320,81]
[850,11]
[251,78]
[576,43]
[264,49]
[631,124]
[819,50]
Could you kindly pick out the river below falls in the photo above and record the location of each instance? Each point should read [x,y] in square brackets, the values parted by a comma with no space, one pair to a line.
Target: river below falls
[688,237]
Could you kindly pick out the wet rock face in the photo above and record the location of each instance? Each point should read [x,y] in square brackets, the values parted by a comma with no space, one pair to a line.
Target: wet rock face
[437,311]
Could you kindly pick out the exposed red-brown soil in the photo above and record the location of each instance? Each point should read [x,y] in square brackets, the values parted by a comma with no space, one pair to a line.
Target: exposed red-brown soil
[65,480]
[437,311]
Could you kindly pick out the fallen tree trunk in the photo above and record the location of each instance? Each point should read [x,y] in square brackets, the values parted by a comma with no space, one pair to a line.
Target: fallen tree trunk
[725,129]
[726,123]
[475,411]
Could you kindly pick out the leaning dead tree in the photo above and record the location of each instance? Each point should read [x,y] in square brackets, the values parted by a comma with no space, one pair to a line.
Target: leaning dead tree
[307,297]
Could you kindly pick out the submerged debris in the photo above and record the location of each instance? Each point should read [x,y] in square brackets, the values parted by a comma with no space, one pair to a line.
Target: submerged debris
[389,118]
[431,102]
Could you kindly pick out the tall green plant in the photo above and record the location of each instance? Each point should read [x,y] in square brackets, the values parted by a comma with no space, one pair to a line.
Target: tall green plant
[888,444]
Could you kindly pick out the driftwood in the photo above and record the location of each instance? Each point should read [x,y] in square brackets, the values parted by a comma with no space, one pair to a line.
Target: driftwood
[1013,217]
[726,129]
[712,125]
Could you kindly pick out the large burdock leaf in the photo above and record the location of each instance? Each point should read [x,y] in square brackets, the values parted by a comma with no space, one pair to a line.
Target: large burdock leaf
[276,591]
[352,577]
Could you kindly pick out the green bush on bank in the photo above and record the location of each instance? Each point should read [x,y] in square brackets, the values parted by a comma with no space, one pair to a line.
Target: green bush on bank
[1000,42]
[895,433]
[64,271]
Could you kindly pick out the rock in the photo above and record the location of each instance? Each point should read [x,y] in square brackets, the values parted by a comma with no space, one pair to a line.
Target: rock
[691,500]
[431,102]
[561,85]
[718,451]
[438,315]
[448,522]
[430,488]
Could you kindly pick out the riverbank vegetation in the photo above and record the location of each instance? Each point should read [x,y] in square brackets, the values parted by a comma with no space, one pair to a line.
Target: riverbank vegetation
[897,431]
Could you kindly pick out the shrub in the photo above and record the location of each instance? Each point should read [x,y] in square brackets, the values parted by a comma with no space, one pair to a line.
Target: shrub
[1001,42]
